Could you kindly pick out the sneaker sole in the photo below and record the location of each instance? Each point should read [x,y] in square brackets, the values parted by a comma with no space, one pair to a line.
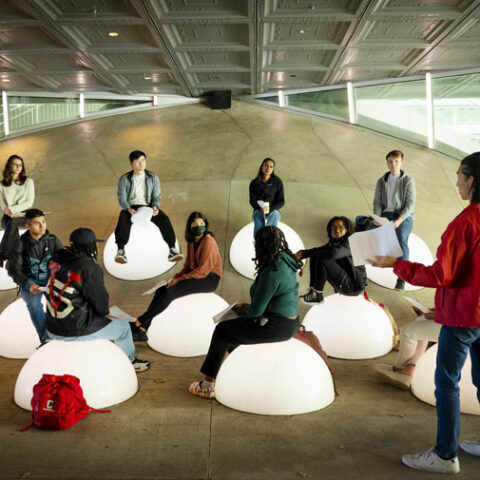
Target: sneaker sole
[141,369]
[310,303]
[425,468]
[176,258]
[120,260]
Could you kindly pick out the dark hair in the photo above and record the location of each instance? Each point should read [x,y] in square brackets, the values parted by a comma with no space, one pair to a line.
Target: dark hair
[269,242]
[189,237]
[32,213]
[7,172]
[260,174]
[89,248]
[136,154]
[394,153]
[471,168]
[347,223]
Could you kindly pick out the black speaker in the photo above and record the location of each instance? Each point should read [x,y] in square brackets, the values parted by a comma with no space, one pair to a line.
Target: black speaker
[220,99]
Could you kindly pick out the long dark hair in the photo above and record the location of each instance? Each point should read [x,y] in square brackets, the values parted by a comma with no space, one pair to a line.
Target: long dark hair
[260,173]
[347,223]
[189,237]
[269,242]
[7,172]
[471,168]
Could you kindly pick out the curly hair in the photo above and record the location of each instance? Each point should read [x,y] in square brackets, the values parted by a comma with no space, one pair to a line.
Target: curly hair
[347,223]
[7,172]
[89,248]
[269,243]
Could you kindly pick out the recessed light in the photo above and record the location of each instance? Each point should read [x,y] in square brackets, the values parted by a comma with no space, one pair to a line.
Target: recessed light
[147,77]
[302,31]
[113,34]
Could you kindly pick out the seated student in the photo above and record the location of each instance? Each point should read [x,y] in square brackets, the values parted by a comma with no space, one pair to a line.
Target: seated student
[200,273]
[266,187]
[140,188]
[414,338]
[17,194]
[272,315]
[28,265]
[77,301]
[395,199]
[333,263]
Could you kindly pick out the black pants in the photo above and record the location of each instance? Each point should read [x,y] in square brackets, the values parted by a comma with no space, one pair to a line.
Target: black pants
[229,334]
[165,296]
[124,224]
[323,270]
[10,226]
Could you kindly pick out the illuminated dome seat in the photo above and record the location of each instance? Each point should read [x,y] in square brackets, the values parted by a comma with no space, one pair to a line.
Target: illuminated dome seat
[242,249]
[106,375]
[185,327]
[282,378]
[423,382]
[419,252]
[351,328]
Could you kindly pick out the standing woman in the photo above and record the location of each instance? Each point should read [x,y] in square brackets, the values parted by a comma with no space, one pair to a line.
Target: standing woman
[17,194]
[272,315]
[266,187]
[333,262]
[201,273]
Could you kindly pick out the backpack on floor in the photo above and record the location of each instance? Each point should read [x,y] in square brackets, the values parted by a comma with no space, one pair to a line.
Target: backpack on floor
[58,402]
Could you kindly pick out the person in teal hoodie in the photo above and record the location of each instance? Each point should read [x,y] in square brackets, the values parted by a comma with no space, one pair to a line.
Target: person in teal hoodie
[272,315]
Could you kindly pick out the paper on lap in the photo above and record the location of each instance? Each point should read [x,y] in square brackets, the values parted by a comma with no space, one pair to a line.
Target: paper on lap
[227,314]
[143,216]
[421,307]
[116,312]
[380,220]
[379,241]
[161,283]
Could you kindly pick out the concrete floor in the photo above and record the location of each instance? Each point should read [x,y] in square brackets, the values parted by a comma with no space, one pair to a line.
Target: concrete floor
[205,160]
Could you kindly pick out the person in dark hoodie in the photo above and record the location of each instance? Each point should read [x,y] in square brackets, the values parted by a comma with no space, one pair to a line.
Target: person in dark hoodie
[333,262]
[77,301]
[28,265]
[272,315]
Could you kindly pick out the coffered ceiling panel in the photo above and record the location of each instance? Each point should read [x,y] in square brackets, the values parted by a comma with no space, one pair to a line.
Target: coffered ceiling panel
[191,47]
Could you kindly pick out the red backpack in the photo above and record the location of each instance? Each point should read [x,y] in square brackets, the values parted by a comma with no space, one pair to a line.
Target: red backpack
[58,402]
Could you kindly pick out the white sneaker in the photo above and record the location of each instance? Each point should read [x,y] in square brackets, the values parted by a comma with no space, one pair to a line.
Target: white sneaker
[431,462]
[120,257]
[174,255]
[473,448]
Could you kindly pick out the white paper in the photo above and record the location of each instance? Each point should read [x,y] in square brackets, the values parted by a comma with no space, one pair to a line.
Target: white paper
[161,283]
[421,307]
[227,314]
[42,289]
[378,241]
[380,220]
[143,216]
[260,203]
[116,312]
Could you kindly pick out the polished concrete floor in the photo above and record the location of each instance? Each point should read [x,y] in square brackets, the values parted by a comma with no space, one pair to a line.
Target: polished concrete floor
[205,160]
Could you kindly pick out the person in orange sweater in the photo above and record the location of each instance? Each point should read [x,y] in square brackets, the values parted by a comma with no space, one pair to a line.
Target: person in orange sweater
[201,273]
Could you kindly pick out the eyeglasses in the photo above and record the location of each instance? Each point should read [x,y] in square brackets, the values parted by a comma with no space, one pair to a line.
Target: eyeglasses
[17,164]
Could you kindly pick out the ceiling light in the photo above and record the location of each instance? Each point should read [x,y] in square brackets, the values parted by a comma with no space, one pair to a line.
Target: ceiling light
[5,80]
[302,31]
[147,77]
[113,34]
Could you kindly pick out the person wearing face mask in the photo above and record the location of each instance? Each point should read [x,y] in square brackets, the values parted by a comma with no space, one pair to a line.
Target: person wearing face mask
[201,273]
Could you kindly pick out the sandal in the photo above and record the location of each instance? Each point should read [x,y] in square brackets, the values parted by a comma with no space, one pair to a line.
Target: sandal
[197,389]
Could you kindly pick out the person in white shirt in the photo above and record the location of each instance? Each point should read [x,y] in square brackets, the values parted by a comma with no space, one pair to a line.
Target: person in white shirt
[17,194]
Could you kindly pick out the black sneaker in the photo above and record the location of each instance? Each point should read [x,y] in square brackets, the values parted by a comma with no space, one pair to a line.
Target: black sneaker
[138,334]
[174,255]
[311,297]
[400,285]
[120,257]
[140,365]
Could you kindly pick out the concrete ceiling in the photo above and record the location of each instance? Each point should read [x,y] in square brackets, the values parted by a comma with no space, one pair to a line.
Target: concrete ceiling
[189,47]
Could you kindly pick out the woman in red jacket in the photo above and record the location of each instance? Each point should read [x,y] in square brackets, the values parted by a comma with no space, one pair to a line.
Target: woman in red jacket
[200,273]
[456,277]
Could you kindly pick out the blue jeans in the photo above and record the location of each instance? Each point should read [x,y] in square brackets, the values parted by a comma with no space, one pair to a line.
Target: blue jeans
[259,221]
[36,311]
[453,346]
[118,331]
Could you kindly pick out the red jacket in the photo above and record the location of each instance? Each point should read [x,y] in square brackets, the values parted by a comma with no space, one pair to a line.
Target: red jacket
[456,272]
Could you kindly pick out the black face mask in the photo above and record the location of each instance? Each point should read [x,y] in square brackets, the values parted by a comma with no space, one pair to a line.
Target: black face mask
[197,231]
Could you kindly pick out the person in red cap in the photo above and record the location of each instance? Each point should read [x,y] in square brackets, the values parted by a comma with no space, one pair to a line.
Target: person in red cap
[77,300]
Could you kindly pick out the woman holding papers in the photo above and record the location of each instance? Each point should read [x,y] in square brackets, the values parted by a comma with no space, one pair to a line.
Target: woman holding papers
[200,273]
[272,315]
[266,196]
[333,262]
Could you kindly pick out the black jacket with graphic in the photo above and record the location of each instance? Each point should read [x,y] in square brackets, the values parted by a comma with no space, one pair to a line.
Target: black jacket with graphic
[77,300]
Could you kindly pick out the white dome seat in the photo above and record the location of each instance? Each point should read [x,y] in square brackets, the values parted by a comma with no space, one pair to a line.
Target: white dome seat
[423,382]
[146,251]
[185,327]
[283,378]
[242,249]
[18,337]
[106,375]
[351,328]
[419,252]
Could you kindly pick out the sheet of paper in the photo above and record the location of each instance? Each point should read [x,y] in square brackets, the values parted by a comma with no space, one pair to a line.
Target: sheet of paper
[143,216]
[227,314]
[161,283]
[380,220]
[369,244]
[42,289]
[116,312]
[421,307]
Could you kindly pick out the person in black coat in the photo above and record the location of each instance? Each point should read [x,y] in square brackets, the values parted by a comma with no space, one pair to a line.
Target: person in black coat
[333,262]
[266,196]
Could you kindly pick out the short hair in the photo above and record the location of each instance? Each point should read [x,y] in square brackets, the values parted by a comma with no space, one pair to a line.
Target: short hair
[136,154]
[347,223]
[394,153]
[32,213]
[260,173]
[471,168]
[188,232]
